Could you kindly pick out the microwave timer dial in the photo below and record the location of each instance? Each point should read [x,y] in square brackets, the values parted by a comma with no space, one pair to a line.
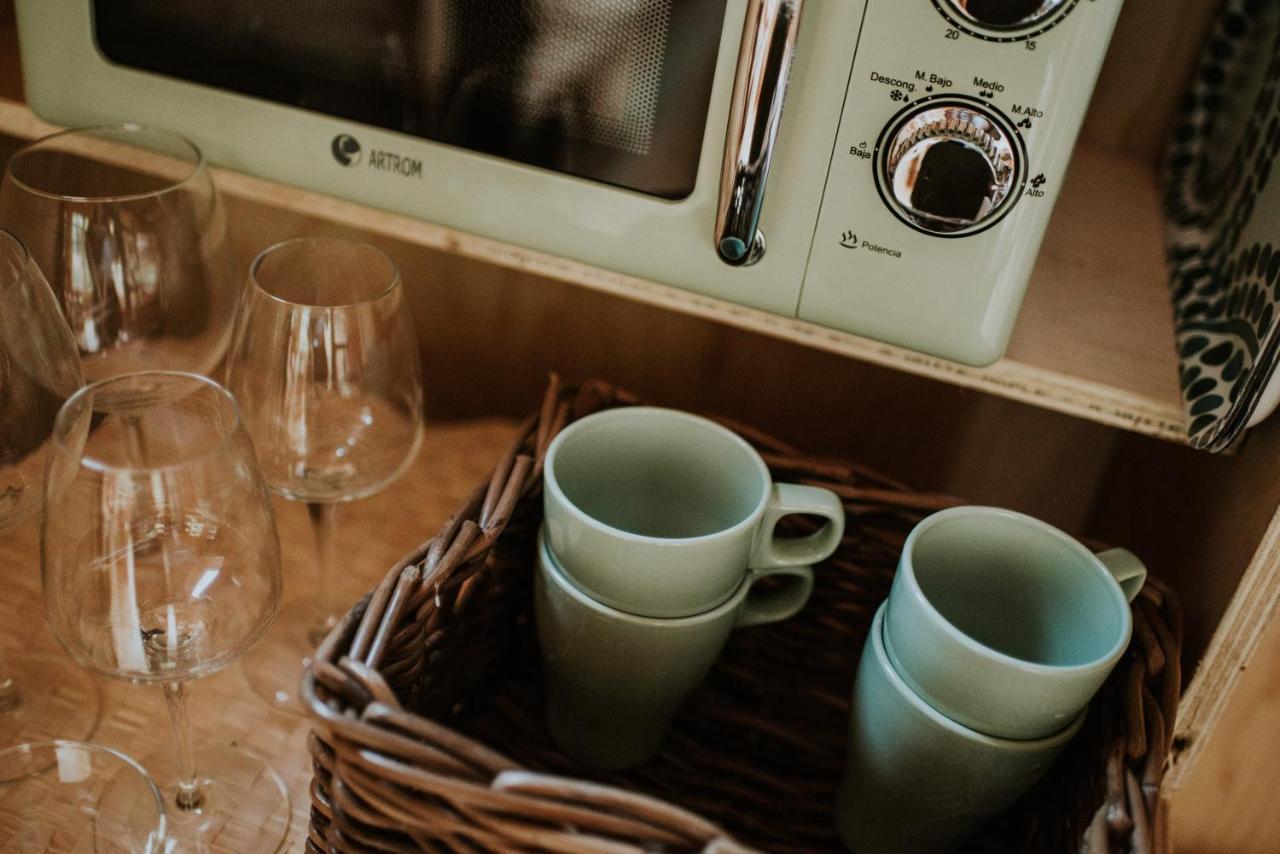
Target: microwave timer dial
[950,169]
[1013,19]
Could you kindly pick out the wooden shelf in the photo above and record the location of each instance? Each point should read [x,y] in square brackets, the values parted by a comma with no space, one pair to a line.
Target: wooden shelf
[1096,326]
[1094,339]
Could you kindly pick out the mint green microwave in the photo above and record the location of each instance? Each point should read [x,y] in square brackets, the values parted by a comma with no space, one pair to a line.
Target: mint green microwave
[885,168]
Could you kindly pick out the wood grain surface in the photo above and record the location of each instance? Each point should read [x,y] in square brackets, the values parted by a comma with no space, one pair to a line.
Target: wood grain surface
[1229,803]
[374,533]
[1148,65]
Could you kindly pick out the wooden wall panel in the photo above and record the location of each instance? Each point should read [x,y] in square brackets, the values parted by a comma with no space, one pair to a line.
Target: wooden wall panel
[1228,803]
[10,67]
[1200,517]
[1154,48]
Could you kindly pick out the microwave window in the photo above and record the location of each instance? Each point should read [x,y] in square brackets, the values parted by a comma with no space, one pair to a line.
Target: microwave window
[614,91]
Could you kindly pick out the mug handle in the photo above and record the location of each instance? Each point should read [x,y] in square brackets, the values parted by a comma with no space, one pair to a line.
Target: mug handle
[1127,569]
[779,604]
[773,552]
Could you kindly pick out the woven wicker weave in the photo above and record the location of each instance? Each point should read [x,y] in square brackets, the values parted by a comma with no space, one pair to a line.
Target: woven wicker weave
[428,730]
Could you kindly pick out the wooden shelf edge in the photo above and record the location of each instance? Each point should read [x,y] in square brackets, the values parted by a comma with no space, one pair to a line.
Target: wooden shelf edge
[1008,378]
[1234,642]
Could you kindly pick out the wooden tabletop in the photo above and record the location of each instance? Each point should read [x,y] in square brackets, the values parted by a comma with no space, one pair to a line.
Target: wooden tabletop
[372,534]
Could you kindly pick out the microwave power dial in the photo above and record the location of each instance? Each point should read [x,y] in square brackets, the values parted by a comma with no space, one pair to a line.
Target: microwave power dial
[1005,14]
[949,169]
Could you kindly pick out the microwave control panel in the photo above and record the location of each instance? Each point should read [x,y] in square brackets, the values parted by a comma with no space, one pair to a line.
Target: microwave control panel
[958,124]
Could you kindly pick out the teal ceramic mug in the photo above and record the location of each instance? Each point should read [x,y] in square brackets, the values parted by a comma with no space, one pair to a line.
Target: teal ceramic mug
[1006,624]
[614,681]
[661,513]
[915,780]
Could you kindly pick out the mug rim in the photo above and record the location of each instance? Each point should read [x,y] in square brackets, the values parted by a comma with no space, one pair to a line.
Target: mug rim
[550,565]
[552,485]
[877,641]
[908,571]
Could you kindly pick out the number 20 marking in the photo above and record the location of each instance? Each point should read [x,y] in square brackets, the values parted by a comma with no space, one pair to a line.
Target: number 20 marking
[953,35]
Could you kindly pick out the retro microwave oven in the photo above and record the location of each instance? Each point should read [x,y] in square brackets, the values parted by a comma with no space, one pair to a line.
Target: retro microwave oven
[885,167]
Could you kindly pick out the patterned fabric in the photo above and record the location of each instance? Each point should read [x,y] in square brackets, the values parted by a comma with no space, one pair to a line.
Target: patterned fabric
[1223,238]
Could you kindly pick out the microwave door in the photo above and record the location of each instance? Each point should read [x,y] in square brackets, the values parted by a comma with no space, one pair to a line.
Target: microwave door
[593,130]
[611,91]
[764,65]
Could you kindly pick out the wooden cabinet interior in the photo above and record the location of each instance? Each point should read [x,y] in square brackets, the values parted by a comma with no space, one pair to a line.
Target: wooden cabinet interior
[1079,425]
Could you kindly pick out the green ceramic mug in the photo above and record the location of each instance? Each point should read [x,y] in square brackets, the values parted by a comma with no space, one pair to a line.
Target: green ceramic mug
[614,681]
[914,779]
[1006,624]
[661,513]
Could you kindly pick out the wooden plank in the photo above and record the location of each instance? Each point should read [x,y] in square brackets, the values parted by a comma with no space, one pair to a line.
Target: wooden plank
[1214,690]
[1226,803]
[1208,524]
[1097,312]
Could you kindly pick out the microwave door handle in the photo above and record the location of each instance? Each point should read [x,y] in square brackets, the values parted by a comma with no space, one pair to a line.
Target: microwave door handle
[768,44]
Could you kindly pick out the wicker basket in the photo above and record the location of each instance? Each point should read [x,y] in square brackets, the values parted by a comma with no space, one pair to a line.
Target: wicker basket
[428,727]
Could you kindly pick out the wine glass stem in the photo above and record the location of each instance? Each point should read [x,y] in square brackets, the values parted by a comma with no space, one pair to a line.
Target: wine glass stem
[322,522]
[10,697]
[190,795]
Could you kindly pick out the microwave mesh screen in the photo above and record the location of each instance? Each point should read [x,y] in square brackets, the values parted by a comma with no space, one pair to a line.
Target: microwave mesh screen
[613,90]
[594,69]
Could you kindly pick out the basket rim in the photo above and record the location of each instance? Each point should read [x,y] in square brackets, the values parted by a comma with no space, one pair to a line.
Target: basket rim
[551,482]
[351,704]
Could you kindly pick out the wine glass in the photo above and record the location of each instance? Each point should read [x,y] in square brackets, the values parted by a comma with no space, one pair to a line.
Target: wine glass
[161,564]
[324,362]
[41,696]
[129,228]
[67,796]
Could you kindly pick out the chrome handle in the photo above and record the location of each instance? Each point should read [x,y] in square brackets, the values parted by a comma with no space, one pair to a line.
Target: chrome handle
[768,44]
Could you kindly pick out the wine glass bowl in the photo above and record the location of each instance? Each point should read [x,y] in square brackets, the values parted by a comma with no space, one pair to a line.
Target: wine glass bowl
[66,796]
[41,696]
[159,553]
[38,371]
[325,366]
[128,226]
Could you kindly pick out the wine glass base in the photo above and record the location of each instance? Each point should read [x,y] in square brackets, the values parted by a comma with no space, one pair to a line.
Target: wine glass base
[56,699]
[245,805]
[273,668]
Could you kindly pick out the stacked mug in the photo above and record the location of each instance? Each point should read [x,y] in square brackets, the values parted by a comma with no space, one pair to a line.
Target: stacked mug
[658,526]
[978,670]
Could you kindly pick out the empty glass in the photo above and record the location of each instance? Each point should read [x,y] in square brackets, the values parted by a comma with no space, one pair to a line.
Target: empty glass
[67,796]
[324,362]
[127,225]
[161,564]
[41,696]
